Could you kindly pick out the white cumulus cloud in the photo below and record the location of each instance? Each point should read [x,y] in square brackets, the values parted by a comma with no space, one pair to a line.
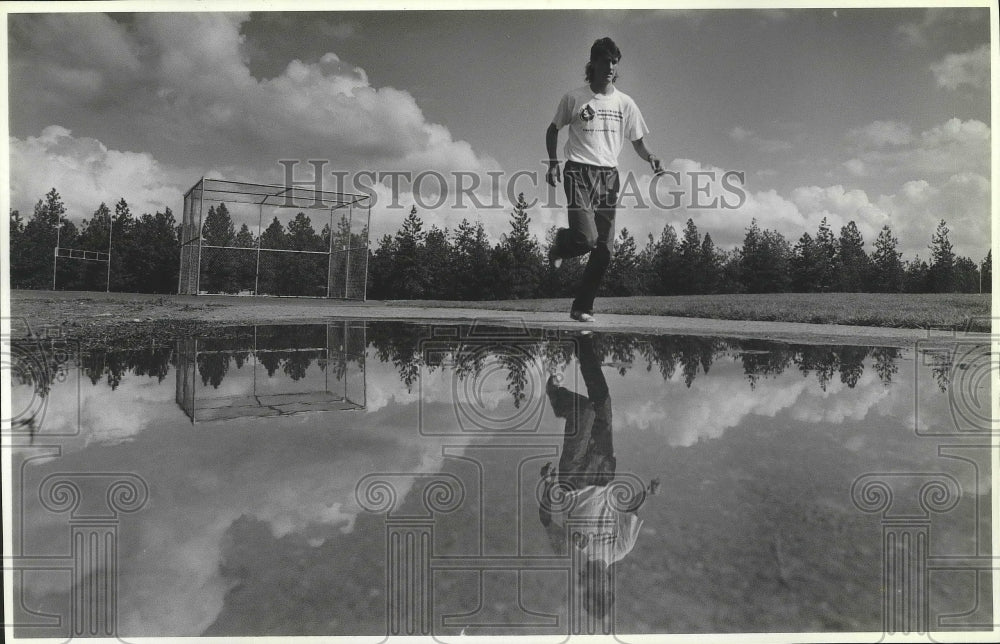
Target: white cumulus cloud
[970,68]
[178,88]
[86,173]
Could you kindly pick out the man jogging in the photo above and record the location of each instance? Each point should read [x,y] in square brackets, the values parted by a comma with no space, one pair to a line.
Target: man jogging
[599,117]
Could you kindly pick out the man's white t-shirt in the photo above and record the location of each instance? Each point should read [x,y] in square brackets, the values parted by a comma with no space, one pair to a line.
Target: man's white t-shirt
[612,533]
[598,125]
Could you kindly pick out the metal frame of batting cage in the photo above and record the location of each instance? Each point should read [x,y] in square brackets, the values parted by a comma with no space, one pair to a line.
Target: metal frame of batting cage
[276,196]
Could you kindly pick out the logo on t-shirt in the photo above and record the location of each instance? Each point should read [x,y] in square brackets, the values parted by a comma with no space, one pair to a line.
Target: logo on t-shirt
[588,113]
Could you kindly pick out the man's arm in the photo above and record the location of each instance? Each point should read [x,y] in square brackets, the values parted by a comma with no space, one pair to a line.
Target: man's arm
[646,155]
[651,489]
[551,143]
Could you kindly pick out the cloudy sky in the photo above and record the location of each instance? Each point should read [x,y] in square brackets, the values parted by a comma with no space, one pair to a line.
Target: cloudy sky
[872,115]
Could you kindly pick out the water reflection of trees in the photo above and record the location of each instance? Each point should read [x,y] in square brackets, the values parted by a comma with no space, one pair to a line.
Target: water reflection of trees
[112,366]
[292,350]
[401,345]
[286,348]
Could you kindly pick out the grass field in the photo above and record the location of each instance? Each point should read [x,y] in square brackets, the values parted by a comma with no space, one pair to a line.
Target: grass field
[962,311]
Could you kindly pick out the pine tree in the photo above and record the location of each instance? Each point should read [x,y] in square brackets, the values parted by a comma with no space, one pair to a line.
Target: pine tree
[156,264]
[471,262]
[689,269]
[218,228]
[305,274]
[519,260]
[244,238]
[804,266]
[732,279]
[966,276]
[752,258]
[381,266]
[270,279]
[34,263]
[410,274]
[711,266]
[437,257]
[94,237]
[124,251]
[764,261]
[646,268]
[17,250]
[852,261]
[887,266]
[986,273]
[826,258]
[622,277]
[941,276]
[665,261]
[916,276]
[246,265]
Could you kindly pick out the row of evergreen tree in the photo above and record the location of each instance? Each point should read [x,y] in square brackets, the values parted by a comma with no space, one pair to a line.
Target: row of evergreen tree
[144,258]
[464,264]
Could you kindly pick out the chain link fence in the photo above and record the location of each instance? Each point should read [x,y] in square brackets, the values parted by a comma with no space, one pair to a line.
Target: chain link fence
[277,250]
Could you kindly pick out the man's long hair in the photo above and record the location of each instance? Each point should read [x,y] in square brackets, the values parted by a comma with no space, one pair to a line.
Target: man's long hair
[602,48]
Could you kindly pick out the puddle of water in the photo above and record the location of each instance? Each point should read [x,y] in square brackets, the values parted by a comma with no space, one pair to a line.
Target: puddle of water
[369,478]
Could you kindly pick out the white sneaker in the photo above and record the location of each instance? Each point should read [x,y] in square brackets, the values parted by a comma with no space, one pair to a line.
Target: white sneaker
[582,316]
[554,262]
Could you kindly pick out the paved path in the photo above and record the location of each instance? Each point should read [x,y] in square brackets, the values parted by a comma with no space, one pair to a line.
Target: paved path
[47,308]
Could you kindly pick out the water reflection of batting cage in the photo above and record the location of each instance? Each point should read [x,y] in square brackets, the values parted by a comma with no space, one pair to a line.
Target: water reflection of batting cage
[275,370]
[255,239]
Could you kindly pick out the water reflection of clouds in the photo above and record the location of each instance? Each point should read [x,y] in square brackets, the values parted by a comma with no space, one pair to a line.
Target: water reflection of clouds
[723,399]
[712,404]
[434,385]
[298,474]
[100,414]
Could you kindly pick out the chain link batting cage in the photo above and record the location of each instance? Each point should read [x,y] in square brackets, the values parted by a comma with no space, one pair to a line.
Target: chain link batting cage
[278,371]
[254,239]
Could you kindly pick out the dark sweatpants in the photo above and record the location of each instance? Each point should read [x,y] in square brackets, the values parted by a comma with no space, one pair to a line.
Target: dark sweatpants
[587,456]
[591,197]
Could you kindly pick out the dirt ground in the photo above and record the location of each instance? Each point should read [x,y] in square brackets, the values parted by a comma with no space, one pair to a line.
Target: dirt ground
[127,318]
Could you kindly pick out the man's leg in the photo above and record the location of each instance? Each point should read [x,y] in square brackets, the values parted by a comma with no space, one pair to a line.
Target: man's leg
[581,235]
[600,257]
[601,464]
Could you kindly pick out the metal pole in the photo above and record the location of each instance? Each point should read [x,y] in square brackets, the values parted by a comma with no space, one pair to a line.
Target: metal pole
[256,270]
[111,225]
[201,211]
[347,250]
[55,252]
[329,258]
[368,228]
[180,270]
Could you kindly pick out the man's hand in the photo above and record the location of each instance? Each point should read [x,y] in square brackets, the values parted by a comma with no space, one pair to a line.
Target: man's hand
[552,174]
[654,163]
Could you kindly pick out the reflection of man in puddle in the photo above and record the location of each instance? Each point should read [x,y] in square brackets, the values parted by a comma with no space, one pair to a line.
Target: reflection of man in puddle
[602,519]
